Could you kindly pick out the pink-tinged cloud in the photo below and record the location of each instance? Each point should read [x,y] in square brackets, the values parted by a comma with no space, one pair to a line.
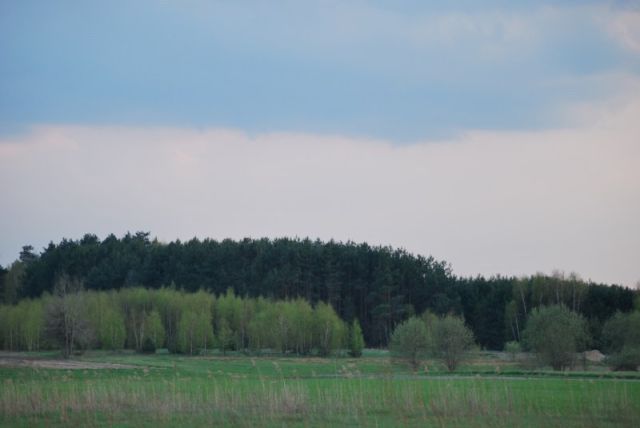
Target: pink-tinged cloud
[488,202]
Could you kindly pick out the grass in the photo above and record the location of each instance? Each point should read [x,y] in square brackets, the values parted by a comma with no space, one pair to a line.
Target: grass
[169,390]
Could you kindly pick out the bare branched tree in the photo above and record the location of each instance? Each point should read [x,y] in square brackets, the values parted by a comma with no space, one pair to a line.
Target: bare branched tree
[66,317]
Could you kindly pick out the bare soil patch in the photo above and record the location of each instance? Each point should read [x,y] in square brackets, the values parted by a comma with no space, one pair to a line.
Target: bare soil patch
[41,363]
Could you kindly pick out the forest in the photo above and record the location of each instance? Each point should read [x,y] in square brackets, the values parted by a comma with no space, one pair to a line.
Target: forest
[379,287]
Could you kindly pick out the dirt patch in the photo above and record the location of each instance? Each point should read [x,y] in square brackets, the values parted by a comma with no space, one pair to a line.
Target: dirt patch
[58,364]
[594,356]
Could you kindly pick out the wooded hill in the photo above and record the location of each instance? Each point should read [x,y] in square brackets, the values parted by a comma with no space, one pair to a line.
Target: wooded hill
[379,286]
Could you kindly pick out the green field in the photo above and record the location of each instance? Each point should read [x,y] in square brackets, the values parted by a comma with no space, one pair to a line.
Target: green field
[169,390]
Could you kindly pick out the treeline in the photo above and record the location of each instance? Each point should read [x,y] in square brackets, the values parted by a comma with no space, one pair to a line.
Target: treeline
[555,334]
[143,320]
[379,286]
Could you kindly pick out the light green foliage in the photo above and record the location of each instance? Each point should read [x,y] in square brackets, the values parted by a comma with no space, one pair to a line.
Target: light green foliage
[106,319]
[229,310]
[170,391]
[295,326]
[429,319]
[356,341]
[261,330]
[22,325]
[32,326]
[169,303]
[450,340]
[10,327]
[301,337]
[135,303]
[195,331]
[225,336]
[183,322]
[112,334]
[154,329]
[555,334]
[329,330]
[410,342]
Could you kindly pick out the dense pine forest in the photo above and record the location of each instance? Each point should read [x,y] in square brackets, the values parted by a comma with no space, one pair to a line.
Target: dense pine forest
[378,286]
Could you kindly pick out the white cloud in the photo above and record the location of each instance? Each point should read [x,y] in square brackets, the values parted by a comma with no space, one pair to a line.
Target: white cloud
[625,27]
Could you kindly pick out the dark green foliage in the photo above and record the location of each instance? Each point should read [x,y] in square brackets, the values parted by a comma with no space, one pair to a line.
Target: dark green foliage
[628,358]
[620,330]
[482,302]
[379,286]
[3,273]
[12,280]
[555,334]
[621,336]
[148,346]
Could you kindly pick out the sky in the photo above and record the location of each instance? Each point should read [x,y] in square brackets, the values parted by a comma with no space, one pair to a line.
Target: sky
[502,137]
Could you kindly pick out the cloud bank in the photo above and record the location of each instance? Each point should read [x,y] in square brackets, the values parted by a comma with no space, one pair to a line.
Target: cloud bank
[487,201]
[401,71]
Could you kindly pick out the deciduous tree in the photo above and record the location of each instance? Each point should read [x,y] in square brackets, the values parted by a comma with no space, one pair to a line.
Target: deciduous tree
[410,342]
[66,318]
[555,334]
[451,339]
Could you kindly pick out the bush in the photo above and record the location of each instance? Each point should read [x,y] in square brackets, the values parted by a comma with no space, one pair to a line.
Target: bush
[621,330]
[628,359]
[356,341]
[329,330]
[555,334]
[512,348]
[621,336]
[451,339]
[410,342]
[148,346]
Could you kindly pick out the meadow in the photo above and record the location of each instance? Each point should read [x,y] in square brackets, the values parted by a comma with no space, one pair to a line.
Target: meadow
[238,390]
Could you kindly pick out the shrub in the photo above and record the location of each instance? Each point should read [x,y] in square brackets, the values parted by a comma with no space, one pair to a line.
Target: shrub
[555,334]
[620,330]
[627,359]
[410,342]
[148,346]
[451,339]
[621,335]
[512,348]
[356,341]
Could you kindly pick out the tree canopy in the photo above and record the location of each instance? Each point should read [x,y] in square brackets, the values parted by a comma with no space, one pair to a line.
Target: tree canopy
[555,334]
[379,286]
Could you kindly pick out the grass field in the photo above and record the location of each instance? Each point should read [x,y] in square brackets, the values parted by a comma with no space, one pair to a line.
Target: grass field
[169,390]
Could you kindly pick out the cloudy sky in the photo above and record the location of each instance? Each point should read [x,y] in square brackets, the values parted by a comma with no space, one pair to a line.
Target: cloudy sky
[502,138]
